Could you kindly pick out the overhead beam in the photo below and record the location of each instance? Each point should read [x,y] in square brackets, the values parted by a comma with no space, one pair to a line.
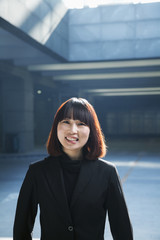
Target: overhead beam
[107,76]
[95,65]
[124,91]
[128,94]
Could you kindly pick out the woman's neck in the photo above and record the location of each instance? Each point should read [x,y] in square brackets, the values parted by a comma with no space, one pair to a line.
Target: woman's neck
[74,155]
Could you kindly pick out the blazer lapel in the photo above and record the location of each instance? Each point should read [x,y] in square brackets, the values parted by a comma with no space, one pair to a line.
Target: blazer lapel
[54,177]
[85,175]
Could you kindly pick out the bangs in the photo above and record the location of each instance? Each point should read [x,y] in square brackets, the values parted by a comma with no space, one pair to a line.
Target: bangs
[76,110]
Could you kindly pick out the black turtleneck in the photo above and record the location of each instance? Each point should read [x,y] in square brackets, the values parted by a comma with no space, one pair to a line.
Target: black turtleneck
[71,170]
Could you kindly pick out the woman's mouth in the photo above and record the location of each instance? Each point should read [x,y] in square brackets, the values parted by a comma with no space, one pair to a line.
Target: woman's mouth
[72,139]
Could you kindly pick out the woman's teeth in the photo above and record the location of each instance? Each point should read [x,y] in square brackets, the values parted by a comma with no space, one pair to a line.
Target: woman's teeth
[72,139]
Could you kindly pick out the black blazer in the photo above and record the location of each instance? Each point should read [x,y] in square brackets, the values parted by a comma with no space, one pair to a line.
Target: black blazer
[97,191]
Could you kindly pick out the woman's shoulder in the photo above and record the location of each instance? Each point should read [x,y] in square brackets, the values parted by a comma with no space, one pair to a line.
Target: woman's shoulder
[102,163]
[109,168]
[106,163]
[41,164]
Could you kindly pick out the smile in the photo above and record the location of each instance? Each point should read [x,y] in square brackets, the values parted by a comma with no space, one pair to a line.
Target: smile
[71,139]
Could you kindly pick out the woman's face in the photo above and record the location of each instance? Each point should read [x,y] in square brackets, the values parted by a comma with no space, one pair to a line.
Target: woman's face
[73,135]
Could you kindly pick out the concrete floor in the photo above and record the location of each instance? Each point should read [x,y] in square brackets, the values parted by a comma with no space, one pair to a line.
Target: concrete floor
[138,163]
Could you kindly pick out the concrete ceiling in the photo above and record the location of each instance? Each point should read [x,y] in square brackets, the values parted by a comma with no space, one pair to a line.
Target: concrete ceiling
[110,78]
[21,49]
[107,78]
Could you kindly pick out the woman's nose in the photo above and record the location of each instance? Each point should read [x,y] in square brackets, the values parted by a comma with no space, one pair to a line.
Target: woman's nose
[73,128]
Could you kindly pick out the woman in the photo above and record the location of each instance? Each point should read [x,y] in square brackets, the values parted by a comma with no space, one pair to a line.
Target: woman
[73,186]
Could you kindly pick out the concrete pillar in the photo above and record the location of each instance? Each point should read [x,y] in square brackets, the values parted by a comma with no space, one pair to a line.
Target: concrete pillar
[17,119]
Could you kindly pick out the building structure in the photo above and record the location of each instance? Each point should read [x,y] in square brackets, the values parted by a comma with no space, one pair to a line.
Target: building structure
[48,53]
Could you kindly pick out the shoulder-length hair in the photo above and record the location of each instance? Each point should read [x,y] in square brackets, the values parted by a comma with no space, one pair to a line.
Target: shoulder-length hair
[78,109]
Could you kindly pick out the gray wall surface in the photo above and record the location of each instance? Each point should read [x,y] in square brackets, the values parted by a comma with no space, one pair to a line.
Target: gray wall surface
[114,32]
[103,33]
[39,19]
[17,119]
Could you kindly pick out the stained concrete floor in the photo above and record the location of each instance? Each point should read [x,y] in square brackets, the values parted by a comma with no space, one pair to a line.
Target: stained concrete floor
[138,163]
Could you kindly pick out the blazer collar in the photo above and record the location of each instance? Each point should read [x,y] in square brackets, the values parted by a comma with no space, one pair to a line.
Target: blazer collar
[54,176]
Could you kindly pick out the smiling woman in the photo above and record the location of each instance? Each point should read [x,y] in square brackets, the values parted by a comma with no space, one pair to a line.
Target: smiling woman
[76,118]
[74,188]
[73,135]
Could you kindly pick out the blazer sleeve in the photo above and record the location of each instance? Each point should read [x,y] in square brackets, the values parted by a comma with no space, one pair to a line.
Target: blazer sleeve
[26,208]
[118,216]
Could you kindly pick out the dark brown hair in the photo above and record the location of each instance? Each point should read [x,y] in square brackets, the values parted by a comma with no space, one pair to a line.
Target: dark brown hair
[79,109]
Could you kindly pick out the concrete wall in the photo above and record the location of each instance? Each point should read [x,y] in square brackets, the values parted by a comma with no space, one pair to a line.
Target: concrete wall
[133,123]
[39,19]
[104,33]
[1,117]
[58,40]
[114,32]
[17,121]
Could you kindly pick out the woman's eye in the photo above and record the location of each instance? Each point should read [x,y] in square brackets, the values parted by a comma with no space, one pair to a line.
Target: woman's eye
[81,124]
[66,121]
